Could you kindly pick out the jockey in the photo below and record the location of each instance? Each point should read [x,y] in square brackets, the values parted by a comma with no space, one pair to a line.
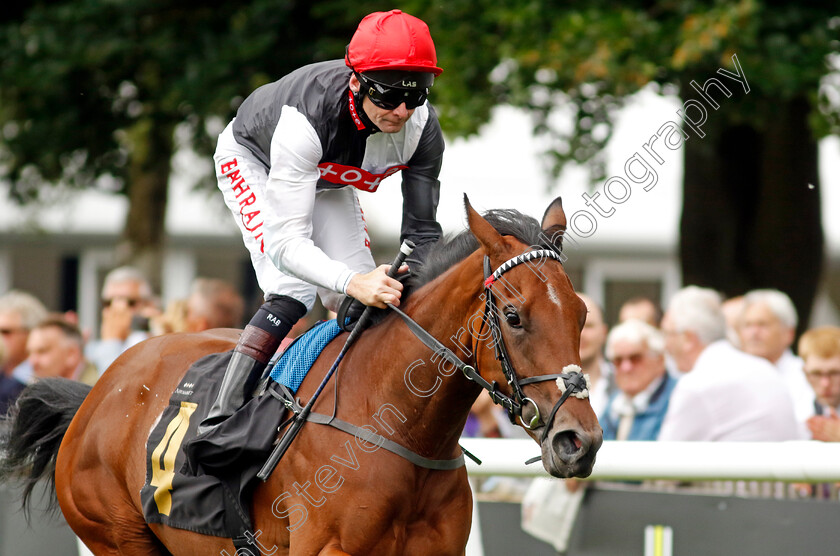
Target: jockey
[289,165]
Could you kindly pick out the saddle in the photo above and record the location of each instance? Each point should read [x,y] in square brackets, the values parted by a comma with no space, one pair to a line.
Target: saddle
[213,495]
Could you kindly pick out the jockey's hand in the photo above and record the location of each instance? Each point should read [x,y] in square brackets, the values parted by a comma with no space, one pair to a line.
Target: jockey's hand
[376,288]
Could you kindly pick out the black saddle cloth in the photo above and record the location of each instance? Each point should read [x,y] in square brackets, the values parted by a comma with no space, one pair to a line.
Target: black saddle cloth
[214,498]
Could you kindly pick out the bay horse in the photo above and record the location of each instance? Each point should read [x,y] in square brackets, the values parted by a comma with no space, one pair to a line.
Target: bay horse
[331,496]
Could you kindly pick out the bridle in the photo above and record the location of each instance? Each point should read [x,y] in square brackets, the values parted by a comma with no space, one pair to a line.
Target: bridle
[571,381]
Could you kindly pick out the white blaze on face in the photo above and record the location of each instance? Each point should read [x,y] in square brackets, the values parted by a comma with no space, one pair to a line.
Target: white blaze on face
[561,385]
[552,295]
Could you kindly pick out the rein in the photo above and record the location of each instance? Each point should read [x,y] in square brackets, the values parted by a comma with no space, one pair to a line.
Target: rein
[571,381]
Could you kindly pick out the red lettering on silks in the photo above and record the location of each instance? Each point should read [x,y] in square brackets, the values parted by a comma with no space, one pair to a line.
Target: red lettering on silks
[367,237]
[251,221]
[233,176]
[228,165]
[248,201]
[350,175]
[250,218]
[239,188]
[353,113]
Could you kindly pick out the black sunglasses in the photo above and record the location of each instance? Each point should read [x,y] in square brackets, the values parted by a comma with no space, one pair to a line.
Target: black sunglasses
[389,98]
[130,301]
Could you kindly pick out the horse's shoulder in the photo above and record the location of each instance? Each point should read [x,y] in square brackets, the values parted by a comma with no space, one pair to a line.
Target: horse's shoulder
[213,340]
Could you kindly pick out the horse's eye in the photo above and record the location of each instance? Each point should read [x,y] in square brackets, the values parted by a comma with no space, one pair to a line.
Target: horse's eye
[512,318]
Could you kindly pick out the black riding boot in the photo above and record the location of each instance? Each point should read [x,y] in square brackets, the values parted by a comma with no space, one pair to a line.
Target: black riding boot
[257,344]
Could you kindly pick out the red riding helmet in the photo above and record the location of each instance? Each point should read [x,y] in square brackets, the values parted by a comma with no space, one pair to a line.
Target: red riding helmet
[392,41]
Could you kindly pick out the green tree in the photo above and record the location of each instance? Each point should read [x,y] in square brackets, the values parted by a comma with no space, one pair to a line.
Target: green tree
[91,91]
[751,204]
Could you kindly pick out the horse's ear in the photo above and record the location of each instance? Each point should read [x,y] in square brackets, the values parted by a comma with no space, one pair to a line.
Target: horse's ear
[554,222]
[483,231]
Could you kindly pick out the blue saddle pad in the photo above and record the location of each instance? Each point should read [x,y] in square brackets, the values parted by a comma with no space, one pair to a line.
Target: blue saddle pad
[299,357]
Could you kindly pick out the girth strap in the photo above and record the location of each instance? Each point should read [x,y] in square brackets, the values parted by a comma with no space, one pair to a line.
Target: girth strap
[390,445]
[367,436]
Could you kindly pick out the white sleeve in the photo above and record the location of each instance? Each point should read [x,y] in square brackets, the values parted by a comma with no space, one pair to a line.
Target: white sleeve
[290,197]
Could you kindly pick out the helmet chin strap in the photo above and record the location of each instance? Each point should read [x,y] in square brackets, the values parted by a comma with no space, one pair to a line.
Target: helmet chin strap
[359,99]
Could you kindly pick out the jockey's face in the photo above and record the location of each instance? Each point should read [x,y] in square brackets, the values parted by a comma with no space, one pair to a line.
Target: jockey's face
[388,121]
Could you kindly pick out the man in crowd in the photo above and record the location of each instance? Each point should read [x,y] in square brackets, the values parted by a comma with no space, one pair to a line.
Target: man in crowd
[767,329]
[127,305]
[56,349]
[637,352]
[725,394]
[213,303]
[641,308]
[20,312]
[820,351]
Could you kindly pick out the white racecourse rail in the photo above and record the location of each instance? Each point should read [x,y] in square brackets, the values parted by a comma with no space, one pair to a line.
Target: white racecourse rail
[793,461]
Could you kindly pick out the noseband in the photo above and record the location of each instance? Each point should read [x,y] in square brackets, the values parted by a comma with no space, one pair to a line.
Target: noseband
[571,381]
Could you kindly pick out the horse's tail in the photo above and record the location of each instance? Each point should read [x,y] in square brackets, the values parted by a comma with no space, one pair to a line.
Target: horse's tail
[34,429]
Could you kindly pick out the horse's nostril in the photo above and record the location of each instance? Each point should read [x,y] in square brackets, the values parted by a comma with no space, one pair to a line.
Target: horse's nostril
[567,443]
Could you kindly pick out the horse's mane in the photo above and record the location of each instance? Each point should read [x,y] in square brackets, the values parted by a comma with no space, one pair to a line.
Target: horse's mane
[442,255]
[436,258]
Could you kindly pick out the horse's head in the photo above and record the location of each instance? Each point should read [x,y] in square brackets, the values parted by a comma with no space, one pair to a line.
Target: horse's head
[538,319]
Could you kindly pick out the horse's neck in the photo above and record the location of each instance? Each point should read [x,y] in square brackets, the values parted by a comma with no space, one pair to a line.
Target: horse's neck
[416,384]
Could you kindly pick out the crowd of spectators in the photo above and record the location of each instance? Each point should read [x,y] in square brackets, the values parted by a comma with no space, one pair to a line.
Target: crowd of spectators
[39,344]
[712,369]
[708,369]
[705,369]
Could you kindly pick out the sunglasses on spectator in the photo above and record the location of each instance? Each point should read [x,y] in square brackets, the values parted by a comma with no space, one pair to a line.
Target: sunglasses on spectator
[389,98]
[633,358]
[130,301]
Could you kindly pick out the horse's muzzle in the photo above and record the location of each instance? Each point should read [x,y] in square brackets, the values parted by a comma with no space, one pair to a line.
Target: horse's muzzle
[571,452]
